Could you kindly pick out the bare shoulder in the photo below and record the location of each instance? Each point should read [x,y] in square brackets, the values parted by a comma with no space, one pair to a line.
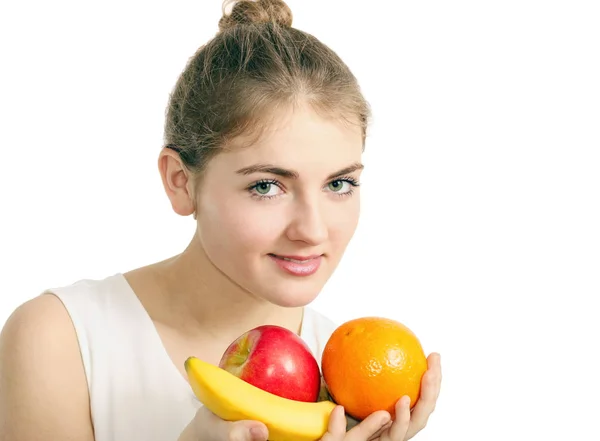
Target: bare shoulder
[43,389]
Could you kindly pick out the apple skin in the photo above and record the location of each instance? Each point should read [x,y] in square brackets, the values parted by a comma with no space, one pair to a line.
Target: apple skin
[276,360]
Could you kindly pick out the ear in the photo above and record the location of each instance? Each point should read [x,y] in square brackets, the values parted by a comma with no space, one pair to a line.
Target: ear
[177,182]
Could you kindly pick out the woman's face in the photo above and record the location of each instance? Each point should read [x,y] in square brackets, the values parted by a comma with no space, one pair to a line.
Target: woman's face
[276,217]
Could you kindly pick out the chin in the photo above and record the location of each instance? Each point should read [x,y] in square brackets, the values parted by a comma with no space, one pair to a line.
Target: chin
[288,296]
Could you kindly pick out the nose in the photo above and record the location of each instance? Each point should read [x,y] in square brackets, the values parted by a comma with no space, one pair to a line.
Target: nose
[308,222]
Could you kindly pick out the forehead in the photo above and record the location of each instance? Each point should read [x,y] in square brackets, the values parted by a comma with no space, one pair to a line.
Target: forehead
[303,140]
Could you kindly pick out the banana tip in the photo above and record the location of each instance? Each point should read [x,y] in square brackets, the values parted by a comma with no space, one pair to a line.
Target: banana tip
[188,361]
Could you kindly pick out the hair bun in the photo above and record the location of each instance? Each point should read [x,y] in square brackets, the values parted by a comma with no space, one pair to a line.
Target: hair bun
[255,11]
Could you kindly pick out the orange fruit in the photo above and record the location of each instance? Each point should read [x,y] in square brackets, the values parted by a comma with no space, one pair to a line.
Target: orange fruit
[369,363]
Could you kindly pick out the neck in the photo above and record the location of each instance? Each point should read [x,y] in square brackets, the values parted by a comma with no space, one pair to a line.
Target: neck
[196,297]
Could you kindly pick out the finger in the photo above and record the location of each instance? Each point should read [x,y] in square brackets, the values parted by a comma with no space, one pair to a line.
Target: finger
[368,427]
[399,428]
[430,390]
[336,428]
[435,365]
[377,435]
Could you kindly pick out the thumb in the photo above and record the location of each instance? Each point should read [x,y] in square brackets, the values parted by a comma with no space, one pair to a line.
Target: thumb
[213,428]
[247,430]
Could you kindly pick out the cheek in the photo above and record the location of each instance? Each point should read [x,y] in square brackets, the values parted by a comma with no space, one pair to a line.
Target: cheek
[344,221]
[240,227]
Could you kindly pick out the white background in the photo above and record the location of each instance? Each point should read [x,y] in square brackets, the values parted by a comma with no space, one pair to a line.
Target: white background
[481,212]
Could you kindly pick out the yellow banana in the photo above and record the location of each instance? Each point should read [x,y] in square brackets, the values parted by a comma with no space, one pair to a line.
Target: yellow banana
[232,399]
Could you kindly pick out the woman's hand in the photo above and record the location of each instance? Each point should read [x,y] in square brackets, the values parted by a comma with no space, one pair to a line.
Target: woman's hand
[407,423]
[206,426]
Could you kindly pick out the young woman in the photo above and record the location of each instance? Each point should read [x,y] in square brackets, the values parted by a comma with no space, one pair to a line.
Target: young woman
[264,135]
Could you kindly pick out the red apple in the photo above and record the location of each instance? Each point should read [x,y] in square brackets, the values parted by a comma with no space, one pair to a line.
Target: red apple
[274,359]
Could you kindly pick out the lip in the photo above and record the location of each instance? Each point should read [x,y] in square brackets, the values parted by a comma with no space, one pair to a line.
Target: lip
[301,258]
[300,266]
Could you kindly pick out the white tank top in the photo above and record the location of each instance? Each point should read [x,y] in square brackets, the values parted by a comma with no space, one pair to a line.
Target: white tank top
[136,392]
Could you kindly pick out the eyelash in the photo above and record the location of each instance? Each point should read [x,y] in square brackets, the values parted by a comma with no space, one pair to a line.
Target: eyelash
[349,179]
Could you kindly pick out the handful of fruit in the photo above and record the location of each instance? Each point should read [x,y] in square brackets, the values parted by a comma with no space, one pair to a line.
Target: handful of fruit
[269,374]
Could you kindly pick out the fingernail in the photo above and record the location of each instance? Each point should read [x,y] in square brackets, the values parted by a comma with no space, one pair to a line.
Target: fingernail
[406,400]
[386,419]
[258,433]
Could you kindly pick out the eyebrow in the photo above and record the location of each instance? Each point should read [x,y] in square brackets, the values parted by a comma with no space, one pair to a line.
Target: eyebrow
[291,174]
